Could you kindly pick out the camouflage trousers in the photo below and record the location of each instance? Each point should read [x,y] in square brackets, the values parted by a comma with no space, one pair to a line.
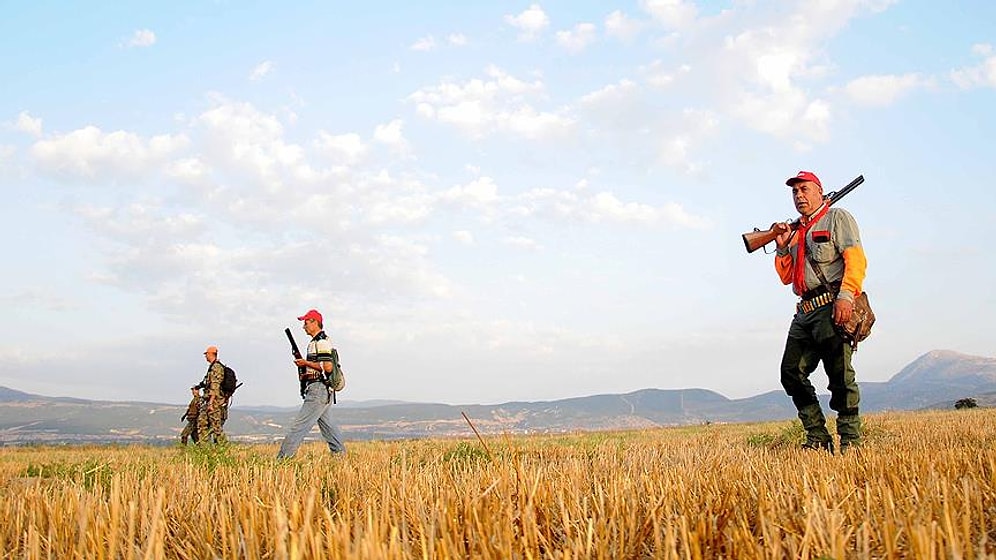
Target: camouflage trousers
[189,431]
[812,339]
[210,422]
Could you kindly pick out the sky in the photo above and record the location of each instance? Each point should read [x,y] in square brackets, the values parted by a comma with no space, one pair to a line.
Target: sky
[488,201]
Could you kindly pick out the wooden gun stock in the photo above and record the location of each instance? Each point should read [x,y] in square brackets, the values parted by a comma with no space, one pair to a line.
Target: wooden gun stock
[754,240]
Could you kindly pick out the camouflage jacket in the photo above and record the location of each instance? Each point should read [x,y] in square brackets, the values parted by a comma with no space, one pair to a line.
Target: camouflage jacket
[193,409]
[212,380]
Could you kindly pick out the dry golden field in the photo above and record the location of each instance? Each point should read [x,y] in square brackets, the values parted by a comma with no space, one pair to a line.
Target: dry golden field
[923,486]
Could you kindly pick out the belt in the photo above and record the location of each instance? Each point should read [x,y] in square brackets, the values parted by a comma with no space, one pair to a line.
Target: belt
[820,290]
[812,304]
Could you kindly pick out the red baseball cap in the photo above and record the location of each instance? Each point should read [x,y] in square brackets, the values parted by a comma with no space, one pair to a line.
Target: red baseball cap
[212,350]
[311,314]
[804,176]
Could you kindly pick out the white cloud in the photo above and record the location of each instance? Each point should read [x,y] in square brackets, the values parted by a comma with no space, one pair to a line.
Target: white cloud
[290,115]
[240,121]
[673,14]
[611,94]
[760,64]
[162,252]
[385,208]
[33,299]
[980,75]
[606,207]
[521,242]
[657,76]
[463,237]
[765,72]
[28,124]
[816,120]
[677,151]
[143,222]
[628,118]
[141,38]
[188,170]
[348,148]
[882,90]
[261,70]
[532,124]
[456,39]
[620,109]
[391,135]
[88,152]
[577,39]
[674,152]
[481,107]
[621,26]
[786,114]
[6,159]
[240,137]
[530,23]
[762,71]
[424,44]
[602,207]
[481,194]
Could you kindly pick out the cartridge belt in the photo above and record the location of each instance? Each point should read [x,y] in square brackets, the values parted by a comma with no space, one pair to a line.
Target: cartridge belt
[820,290]
[812,304]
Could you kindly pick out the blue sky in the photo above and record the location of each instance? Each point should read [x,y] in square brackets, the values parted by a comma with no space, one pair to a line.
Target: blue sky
[490,201]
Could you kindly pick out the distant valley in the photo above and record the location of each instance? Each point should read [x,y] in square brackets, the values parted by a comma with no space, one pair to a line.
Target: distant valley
[935,380]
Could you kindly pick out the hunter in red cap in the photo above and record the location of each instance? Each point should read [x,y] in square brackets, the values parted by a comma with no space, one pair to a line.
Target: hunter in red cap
[824,262]
[311,314]
[314,374]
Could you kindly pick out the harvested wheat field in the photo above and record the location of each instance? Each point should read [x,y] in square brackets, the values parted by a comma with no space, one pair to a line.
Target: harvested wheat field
[923,486]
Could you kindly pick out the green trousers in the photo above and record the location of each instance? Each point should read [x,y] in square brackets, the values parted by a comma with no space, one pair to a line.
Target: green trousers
[812,339]
[210,422]
[189,431]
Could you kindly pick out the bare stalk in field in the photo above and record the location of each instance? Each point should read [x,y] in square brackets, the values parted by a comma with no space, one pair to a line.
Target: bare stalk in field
[478,434]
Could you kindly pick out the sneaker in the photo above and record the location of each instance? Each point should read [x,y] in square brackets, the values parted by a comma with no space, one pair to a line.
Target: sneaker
[819,445]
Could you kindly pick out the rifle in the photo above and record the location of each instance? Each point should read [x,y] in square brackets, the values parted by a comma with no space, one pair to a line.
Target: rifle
[301,369]
[295,351]
[754,240]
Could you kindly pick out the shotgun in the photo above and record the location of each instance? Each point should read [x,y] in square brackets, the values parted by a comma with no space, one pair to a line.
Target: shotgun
[754,240]
[295,351]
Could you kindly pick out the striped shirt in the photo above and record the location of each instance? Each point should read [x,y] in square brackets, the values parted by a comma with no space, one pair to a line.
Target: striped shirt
[319,350]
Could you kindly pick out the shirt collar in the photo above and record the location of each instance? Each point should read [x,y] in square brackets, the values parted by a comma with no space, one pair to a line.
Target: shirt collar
[814,213]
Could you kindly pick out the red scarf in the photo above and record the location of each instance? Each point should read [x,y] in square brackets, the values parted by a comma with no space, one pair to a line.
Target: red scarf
[799,277]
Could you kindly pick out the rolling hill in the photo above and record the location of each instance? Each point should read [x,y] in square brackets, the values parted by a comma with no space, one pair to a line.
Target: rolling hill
[935,379]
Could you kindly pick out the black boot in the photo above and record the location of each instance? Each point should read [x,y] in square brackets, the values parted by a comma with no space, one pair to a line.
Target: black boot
[817,436]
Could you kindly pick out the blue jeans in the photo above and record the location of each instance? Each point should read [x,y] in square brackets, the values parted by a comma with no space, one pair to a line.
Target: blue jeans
[317,406]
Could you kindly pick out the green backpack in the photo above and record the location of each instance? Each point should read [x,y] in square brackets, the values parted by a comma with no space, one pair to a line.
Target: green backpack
[337,381]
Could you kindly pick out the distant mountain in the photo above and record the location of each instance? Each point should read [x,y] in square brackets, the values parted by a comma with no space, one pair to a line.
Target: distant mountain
[10,395]
[936,379]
